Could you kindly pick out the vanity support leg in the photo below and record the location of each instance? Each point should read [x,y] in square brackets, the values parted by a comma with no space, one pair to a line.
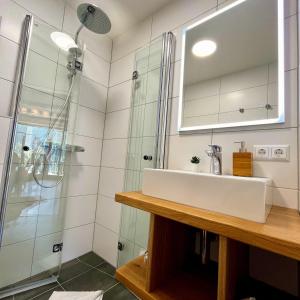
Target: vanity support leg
[233,264]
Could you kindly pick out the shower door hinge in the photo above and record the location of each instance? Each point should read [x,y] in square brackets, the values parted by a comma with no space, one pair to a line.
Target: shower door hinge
[57,248]
[135,75]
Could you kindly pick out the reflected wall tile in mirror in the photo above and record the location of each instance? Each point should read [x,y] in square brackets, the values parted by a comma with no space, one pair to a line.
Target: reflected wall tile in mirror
[247,115]
[40,73]
[248,98]
[202,106]
[20,222]
[137,120]
[200,120]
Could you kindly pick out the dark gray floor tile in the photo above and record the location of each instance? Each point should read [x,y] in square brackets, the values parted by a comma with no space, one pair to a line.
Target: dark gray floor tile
[107,268]
[46,295]
[35,292]
[71,269]
[92,280]
[118,292]
[92,259]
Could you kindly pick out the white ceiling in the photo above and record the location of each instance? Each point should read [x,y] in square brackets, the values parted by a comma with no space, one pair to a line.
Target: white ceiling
[246,37]
[125,13]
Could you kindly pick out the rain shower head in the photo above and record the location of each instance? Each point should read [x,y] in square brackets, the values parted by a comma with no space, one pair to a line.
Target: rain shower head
[93,18]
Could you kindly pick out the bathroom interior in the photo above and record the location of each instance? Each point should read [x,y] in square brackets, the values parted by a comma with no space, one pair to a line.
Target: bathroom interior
[149,149]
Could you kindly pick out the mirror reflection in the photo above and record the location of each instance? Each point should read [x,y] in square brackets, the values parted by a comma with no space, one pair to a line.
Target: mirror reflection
[231,67]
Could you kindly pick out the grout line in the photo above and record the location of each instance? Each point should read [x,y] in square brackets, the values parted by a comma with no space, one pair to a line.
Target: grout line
[111,287]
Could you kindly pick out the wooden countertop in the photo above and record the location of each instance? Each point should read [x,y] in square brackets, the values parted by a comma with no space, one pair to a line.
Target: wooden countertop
[280,234]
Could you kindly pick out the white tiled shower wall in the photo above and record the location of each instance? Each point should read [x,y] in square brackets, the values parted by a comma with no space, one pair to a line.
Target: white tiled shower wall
[81,196]
[182,147]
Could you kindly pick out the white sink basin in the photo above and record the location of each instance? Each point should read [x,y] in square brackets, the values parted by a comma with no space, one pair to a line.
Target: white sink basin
[248,198]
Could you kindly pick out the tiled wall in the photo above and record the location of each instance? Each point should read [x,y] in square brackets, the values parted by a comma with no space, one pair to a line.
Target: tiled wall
[81,195]
[218,100]
[182,147]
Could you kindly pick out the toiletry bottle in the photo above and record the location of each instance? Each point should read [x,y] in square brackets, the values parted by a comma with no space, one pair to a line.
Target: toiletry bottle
[242,162]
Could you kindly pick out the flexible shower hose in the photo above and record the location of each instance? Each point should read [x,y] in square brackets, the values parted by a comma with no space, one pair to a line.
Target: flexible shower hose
[41,146]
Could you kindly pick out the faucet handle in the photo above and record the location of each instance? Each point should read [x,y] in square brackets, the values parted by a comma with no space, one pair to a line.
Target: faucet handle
[215,148]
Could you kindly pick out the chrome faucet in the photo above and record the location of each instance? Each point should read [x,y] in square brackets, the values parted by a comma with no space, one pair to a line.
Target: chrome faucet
[215,153]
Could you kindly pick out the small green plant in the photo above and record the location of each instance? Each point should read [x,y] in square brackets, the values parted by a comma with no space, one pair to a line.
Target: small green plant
[195,160]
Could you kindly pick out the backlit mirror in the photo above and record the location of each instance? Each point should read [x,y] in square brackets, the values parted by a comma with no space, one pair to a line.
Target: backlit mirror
[232,71]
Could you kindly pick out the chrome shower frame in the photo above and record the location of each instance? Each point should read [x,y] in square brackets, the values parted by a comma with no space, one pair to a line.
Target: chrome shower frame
[164,99]
[20,73]
[14,110]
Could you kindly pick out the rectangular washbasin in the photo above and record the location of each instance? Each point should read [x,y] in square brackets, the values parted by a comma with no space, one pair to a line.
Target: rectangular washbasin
[248,198]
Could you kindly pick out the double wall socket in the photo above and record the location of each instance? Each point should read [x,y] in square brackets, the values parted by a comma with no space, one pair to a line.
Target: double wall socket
[272,152]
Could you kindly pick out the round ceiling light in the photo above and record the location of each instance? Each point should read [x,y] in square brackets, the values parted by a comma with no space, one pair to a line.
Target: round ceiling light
[63,40]
[204,48]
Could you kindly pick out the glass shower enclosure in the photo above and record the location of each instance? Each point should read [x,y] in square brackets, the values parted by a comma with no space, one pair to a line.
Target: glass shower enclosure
[147,142]
[36,171]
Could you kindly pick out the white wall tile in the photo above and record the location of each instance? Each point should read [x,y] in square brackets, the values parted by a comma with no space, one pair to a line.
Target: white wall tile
[95,68]
[132,39]
[83,180]
[291,50]
[108,213]
[114,153]
[89,122]
[12,17]
[6,88]
[178,13]
[105,244]
[119,96]
[80,210]
[290,7]
[111,181]
[40,73]
[247,79]
[116,124]
[16,261]
[121,70]
[285,198]
[77,241]
[4,125]
[92,94]
[50,11]
[8,58]
[185,147]
[92,154]
[283,174]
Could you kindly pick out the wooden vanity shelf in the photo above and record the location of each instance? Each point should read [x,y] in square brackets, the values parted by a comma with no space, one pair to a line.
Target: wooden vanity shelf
[172,270]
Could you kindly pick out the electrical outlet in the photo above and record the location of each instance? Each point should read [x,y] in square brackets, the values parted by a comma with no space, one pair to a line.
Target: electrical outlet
[281,152]
[261,152]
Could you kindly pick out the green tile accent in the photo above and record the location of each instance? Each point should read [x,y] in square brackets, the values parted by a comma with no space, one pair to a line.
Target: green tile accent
[118,292]
[92,280]
[72,269]
[107,268]
[91,259]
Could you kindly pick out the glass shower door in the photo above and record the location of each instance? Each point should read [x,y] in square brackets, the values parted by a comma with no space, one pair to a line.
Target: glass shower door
[34,214]
[141,151]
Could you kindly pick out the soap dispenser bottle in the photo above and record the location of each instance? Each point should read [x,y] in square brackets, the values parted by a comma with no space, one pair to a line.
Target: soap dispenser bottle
[242,161]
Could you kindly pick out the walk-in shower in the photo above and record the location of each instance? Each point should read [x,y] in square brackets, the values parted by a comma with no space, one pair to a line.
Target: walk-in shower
[39,148]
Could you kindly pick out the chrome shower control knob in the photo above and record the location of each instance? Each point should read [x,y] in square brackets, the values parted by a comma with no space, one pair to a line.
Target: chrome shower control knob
[26,148]
[147,157]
